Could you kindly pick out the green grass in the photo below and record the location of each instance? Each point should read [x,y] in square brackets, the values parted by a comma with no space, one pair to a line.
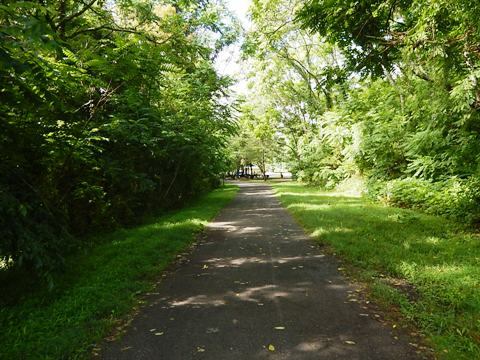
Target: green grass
[439,259]
[101,285]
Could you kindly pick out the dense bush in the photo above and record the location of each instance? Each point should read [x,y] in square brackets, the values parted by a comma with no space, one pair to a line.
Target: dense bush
[323,177]
[454,197]
[109,111]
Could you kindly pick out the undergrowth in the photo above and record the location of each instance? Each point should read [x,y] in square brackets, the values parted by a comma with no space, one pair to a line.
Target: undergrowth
[98,286]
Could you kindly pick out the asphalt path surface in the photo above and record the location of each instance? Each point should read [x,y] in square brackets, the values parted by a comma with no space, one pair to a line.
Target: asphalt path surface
[257,287]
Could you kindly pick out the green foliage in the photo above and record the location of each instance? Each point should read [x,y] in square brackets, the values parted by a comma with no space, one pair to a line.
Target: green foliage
[455,197]
[411,128]
[361,28]
[433,257]
[109,111]
[99,285]
[299,79]
[389,90]
[376,36]
[255,141]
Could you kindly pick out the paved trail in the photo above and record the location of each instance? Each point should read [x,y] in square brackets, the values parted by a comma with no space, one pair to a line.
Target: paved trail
[255,280]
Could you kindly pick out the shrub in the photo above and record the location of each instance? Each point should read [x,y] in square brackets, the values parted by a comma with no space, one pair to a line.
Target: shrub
[455,197]
[323,177]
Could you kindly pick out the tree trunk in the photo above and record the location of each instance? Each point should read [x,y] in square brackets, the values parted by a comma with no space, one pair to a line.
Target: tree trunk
[62,14]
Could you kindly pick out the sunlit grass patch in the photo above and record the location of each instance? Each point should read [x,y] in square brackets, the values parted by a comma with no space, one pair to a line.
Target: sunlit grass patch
[100,285]
[439,258]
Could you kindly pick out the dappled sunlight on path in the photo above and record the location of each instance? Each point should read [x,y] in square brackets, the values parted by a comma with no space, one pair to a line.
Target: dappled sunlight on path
[257,280]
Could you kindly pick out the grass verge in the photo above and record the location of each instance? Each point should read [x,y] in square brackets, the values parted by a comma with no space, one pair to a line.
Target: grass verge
[435,262]
[101,285]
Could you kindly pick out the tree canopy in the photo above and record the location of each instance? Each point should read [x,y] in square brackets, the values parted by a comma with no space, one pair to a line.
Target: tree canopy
[384,90]
[110,110]
[114,109]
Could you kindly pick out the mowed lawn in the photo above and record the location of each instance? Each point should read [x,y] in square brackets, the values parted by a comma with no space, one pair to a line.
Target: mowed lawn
[433,256]
[99,286]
